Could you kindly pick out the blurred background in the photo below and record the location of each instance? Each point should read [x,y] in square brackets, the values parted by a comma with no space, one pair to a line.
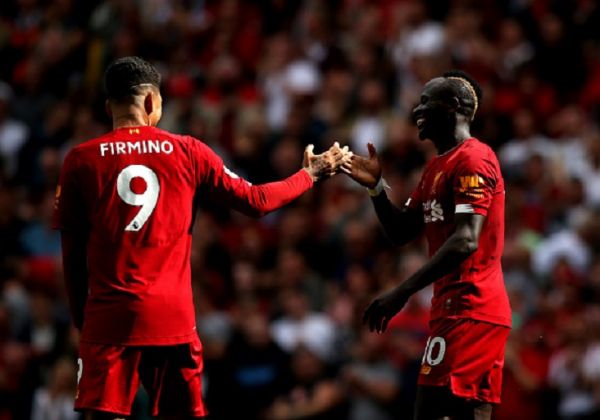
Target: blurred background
[279,300]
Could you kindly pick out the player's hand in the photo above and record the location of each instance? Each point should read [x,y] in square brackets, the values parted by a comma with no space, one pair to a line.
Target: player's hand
[382,309]
[325,164]
[364,170]
[347,155]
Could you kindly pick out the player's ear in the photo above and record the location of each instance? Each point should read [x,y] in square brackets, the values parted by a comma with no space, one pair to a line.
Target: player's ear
[148,103]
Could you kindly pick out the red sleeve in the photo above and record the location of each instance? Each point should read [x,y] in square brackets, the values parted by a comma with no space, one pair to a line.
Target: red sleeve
[69,209]
[414,201]
[252,200]
[474,184]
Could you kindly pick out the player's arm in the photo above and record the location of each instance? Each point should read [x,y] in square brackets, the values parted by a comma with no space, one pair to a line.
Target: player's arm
[401,225]
[457,248]
[474,184]
[75,272]
[70,217]
[258,200]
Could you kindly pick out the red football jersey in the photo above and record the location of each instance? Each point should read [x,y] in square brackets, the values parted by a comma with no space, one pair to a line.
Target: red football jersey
[134,190]
[466,179]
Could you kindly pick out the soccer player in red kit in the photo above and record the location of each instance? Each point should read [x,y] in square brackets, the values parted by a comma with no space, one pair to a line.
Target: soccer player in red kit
[459,205]
[125,207]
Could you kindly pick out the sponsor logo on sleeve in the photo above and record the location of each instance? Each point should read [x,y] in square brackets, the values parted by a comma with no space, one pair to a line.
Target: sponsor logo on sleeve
[472,186]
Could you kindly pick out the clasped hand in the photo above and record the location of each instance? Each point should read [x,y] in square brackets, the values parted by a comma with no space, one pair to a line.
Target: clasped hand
[366,171]
[326,164]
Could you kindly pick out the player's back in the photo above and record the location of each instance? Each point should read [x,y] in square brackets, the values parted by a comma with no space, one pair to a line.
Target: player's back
[137,189]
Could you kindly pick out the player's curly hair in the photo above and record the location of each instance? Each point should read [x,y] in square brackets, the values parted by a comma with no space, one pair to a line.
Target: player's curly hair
[469,91]
[125,76]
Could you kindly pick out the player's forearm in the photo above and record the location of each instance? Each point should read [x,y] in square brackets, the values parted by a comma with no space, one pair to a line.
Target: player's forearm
[265,198]
[75,274]
[398,224]
[448,258]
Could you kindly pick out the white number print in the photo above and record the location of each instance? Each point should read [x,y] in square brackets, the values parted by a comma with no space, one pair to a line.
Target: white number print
[79,369]
[147,200]
[432,343]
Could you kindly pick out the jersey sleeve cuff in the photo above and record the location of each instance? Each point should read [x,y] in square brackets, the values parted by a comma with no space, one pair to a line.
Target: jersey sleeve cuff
[304,174]
[468,208]
[381,185]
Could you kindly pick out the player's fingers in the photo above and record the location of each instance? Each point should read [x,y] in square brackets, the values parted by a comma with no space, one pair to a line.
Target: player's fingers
[372,150]
[367,313]
[309,151]
[378,324]
[372,314]
[346,169]
[384,324]
[337,155]
[347,157]
[345,160]
[375,321]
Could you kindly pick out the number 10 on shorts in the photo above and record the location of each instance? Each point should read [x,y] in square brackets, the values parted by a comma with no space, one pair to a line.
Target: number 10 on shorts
[435,349]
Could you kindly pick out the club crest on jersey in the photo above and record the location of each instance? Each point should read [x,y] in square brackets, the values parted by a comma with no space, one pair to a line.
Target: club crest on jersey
[436,181]
[433,211]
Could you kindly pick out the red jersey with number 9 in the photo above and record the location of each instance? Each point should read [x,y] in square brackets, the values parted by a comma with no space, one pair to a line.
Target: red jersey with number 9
[133,192]
[466,179]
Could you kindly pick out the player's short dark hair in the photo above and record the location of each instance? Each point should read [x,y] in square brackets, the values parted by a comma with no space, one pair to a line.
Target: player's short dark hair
[468,90]
[124,76]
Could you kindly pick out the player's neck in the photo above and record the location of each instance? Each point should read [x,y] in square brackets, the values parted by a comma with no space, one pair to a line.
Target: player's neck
[447,143]
[129,117]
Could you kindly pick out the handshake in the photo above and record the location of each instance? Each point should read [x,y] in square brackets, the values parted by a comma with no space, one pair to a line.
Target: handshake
[364,170]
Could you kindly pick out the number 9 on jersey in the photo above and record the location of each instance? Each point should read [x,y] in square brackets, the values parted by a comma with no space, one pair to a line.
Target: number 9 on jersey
[147,200]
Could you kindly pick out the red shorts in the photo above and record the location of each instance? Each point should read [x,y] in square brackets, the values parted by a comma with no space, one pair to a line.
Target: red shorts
[467,356]
[110,375]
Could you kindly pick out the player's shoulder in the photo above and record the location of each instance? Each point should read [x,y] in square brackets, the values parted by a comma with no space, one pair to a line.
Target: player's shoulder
[79,151]
[475,146]
[184,139]
[474,150]
[476,156]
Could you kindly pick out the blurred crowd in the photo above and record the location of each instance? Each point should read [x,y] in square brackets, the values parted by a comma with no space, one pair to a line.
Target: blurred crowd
[279,299]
